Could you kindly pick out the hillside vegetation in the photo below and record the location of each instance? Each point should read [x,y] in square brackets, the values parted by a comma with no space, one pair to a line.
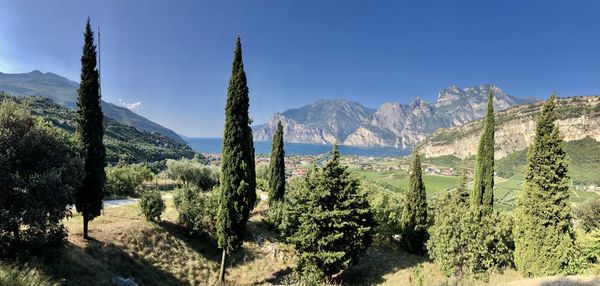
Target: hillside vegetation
[122,142]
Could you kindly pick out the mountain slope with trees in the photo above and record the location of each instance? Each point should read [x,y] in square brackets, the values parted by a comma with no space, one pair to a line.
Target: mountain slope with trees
[64,92]
[123,143]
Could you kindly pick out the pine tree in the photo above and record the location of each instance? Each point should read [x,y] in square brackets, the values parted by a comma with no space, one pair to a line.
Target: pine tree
[337,225]
[90,131]
[414,214]
[277,167]
[544,242]
[238,175]
[483,184]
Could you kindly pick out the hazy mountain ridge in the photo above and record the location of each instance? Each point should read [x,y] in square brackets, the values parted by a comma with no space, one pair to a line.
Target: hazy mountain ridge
[64,92]
[391,125]
[578,118]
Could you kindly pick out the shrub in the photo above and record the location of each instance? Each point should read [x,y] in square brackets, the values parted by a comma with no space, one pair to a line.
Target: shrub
[285,216]
[464,243]
[193,173]
[588,215]
[387,211]
[197,211]
[152,205]
[40,167]
[125,180]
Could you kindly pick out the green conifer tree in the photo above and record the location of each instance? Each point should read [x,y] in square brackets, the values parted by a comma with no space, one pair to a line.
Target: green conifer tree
[483,184]
[544,241]
[90,131]
[238,175]
[277,167]
[414,214]
[337,224]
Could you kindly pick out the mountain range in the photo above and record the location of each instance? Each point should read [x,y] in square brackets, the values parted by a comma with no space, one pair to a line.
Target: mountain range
[64,92]
[578,118]
[391,125]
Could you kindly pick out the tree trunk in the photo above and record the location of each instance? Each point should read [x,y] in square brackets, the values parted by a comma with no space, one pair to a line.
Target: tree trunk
[85,227]
[222,272]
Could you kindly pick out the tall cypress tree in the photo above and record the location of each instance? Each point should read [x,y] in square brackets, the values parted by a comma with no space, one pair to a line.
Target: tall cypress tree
[238,178]
[90,131]
[483,183]
[277,167]
[414,214]
[544,242]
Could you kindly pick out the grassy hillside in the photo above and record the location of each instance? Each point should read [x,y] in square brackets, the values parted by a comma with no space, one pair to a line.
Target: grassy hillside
[122,142]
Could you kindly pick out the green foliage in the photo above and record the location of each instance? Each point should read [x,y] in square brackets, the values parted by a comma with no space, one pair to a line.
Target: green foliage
[387,212]
[40,168]
[238,178]
[197,211]
[285,216]
[464,243]
[544,240]
[192,172]
[90,133]
[336,223]
[152,205]
[590,246]
[414,213]
[483,184]
[124,180]
[588,215]
[277,167]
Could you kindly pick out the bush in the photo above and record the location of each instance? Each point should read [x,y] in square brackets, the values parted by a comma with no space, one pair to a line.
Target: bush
[197,211]
[285,216]
[588,215]
[124,180]
[387,211]
[40,168]
[590,248]
[152,205]
[193,173]
[464,243]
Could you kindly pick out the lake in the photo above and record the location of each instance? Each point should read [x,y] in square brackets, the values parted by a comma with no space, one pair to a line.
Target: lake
[213,146]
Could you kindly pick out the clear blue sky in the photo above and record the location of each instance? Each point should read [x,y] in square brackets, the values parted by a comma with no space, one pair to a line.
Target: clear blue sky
[175,56]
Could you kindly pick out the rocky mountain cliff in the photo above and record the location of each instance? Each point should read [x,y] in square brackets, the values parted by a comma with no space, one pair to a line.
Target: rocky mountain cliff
[578,117]
[64,92]
[391,125]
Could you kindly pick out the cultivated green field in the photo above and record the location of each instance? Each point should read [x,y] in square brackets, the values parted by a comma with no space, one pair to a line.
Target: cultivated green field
[505,190]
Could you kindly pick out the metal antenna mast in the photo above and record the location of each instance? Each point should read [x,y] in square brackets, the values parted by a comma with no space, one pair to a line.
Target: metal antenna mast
[99,77]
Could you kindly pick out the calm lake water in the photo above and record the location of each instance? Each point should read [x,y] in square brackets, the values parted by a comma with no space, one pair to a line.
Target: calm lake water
[213,146]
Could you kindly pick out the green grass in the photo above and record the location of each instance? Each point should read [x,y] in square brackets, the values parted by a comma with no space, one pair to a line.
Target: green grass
[24,276]
[398,181]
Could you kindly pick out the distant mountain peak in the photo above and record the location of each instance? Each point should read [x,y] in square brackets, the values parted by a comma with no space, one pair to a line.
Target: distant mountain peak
[392,124]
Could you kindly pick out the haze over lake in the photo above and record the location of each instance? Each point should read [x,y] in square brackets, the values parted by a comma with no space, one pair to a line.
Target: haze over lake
[213,146]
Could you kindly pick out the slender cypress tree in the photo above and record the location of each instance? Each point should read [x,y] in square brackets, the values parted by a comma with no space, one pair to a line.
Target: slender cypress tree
[277,167]
[414,214]
[544,242]
[238,178]
[483,183]
[90,131]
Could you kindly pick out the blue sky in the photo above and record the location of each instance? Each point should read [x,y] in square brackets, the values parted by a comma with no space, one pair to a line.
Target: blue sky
[174,57]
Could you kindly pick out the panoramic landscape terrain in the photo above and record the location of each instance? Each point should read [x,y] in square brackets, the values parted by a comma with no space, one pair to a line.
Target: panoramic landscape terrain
[299,143]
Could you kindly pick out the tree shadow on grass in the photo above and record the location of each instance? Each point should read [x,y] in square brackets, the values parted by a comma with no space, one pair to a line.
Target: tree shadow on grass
[378,261]
[563,281]
[97,263]
[203,244]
